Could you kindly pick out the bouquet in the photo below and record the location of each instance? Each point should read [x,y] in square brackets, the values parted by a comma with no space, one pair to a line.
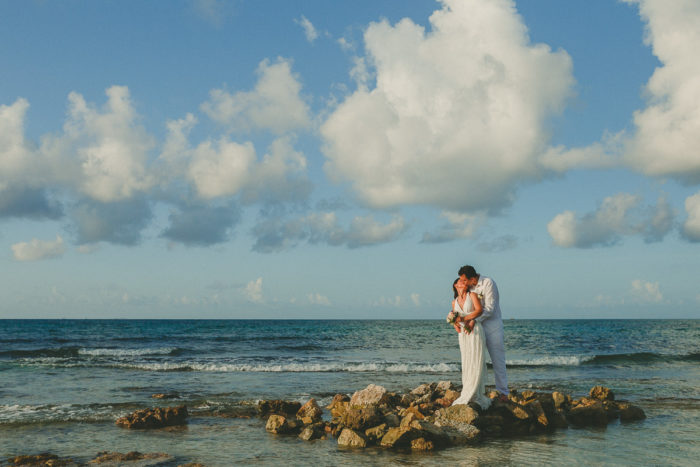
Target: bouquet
[452,317]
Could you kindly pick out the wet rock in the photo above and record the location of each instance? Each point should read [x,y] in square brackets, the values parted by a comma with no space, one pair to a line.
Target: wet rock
[415,410]
[133,458]
[422,444]
[371,395]
[408,399]
[314,431]
[352,439]
[392,419]
[558,420]
[516,411]
[561,401]
[399,437]
[601,393]
[44,459]
[431,432]
[279,424]
[535,407]
[491,425]
[448,398]
[278,407]
[361,418]
[310,412]
[460,434]
[157,417]
[458,414]
[444,386]
[339,405]
[376,433]
[592,414]
[630,413]
[424,389]
[527,395]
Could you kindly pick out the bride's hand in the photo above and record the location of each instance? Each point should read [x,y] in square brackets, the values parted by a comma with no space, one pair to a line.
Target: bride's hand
[471,324]
[457,327]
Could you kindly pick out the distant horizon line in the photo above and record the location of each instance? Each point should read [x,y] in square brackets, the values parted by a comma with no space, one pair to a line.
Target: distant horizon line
[337,319]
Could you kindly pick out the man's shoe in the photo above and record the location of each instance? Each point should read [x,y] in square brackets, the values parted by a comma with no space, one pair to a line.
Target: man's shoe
[503,398]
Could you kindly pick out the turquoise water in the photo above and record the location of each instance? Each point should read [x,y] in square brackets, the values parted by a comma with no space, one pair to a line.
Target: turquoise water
[64,382]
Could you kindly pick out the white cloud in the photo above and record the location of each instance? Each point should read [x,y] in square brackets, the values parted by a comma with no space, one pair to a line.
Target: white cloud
[691,227]
[225,168]
[458,226]
[395,301]
[274,234]
[318,299]
[38,249]
[644,291]
[101,153]
[275,104]
[309,29]
[666,141]
[212,11]
[15,152]
[253,290]
[220,168]
[617,216]
[457,116]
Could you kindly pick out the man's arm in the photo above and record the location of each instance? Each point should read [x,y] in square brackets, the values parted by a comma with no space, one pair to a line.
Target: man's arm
[490,293]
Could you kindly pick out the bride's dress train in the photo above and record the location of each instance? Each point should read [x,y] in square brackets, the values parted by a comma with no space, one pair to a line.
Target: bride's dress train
[472,348]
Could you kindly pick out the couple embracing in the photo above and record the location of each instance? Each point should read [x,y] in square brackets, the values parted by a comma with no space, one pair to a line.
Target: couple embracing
[476,315]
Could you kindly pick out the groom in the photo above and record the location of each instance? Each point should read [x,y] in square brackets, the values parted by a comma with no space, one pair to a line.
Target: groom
[492,323]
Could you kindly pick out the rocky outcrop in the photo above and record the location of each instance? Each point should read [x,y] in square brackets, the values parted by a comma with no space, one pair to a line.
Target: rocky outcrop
[162,395]
[157,417]
[134,458]
[280,424]
[372,395]
[423,419]
[310,412]
[43,459]
[601,393]
[352,439]
[278,407]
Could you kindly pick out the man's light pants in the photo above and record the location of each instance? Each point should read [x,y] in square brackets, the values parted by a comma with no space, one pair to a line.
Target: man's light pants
[494,344]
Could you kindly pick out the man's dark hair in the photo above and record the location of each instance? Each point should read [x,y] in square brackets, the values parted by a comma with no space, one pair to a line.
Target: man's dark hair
[468,271]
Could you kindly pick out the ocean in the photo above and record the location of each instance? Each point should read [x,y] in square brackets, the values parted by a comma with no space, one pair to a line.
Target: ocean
[63,383]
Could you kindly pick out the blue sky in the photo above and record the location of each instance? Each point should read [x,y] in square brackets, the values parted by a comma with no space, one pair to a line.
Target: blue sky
[211,159]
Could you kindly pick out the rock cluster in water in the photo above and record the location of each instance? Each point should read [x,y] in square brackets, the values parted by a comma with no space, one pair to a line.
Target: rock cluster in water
[104,458]
[424,419]
[157,417]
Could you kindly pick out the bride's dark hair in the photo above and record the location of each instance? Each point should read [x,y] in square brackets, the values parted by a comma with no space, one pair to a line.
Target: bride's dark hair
[454,289]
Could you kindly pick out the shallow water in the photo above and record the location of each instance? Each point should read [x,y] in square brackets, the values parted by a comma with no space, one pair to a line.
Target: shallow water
[64,382]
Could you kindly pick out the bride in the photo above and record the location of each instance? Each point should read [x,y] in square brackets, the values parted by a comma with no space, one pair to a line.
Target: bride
[471,345]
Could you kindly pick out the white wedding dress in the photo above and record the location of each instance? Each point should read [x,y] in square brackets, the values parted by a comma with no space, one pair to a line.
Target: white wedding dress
[472,347]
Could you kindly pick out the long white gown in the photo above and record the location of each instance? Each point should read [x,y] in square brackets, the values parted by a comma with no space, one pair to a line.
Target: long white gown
[472,348]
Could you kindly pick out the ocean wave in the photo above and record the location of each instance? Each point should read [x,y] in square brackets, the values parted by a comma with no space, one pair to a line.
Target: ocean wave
[563,360]
[642,358]
[59,352]
[296,367]
[14,414]
[107,352]
[77,352]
